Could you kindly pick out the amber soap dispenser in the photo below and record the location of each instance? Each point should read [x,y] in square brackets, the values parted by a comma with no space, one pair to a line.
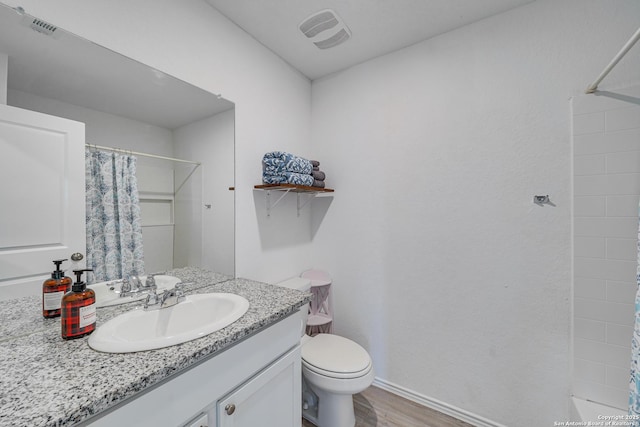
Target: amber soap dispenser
[78,309]
[53,290]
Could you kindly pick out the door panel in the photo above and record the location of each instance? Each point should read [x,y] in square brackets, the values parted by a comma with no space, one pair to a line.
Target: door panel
[43,204]
[272,398]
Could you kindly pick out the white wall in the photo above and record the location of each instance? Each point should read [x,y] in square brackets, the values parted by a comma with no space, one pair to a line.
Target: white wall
[606,169]
[188,217]
[156,194]
[444,269]
[211,142]
[101,128]
[192,41]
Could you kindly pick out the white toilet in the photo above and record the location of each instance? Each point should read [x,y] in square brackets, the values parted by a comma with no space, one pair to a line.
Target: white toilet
[334,368]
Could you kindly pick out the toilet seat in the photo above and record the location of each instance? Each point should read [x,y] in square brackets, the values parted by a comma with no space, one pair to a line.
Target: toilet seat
[336,375]
[335,357]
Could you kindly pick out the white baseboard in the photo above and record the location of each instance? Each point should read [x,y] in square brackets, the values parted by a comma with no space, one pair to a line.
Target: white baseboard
[437,405]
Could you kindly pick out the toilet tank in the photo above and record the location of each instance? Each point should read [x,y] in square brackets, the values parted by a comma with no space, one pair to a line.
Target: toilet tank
[303,285]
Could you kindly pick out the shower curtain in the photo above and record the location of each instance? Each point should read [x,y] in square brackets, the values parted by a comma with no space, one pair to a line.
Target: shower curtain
[114,231]
[634,383]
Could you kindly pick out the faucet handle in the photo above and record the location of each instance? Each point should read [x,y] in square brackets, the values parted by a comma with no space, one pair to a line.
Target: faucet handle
[125,287]
[179,287]
[152,299]
[179,291]
[150,282]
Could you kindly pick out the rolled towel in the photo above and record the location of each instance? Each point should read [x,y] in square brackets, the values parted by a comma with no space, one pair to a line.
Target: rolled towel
[281,161]
[319,175]
[316,168]
[315,163]
[287,178]
[317,183]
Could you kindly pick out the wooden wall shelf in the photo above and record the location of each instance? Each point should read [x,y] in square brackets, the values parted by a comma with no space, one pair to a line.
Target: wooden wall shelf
[293,187]
[290,188]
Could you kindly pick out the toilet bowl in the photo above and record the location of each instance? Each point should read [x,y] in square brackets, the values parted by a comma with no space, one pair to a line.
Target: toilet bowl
[334,368]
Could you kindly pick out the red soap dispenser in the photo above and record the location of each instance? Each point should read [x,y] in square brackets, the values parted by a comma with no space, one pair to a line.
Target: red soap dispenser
[53,290]
[78,309]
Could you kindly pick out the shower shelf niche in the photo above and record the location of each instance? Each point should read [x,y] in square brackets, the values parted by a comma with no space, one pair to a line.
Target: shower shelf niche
[290,188]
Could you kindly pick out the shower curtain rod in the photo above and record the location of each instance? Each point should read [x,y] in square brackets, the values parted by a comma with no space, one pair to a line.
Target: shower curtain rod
[124,151]
[634,38]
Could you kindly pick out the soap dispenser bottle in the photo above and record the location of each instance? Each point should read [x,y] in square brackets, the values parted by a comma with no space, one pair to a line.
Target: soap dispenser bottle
[53,290]
[78,309]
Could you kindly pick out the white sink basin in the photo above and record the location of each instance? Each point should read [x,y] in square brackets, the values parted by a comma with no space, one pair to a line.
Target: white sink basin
[195,317]
[108,293]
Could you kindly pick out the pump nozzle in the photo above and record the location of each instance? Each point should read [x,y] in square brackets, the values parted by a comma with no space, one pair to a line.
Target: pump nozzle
[58,262]
[79,285]
[58,274]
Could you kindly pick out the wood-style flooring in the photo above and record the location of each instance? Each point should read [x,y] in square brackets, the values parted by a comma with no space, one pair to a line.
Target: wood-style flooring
[375,407]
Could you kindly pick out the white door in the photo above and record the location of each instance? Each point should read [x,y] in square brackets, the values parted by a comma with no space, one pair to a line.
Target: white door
[42,203]
[270,399]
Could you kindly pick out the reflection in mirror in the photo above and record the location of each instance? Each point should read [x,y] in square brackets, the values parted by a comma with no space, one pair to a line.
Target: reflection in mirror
[187,209]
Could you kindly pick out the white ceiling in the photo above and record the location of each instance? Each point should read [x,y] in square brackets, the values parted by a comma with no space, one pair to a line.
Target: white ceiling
[73,70]
[378,26]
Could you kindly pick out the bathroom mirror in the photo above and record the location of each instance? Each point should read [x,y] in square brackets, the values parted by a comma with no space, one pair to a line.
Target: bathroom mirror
[187,208]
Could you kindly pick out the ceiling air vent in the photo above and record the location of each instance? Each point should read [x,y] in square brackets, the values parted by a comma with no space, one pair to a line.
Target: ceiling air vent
[40,26]
[325,29]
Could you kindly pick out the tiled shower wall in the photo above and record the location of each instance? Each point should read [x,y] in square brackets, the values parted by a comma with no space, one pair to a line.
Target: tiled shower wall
[606,169]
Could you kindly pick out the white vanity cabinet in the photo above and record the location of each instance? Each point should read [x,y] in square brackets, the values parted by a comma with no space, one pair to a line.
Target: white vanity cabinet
[260,376]
[265,400]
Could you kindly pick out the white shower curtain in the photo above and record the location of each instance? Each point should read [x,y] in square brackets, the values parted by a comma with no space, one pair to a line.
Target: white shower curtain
[114,231]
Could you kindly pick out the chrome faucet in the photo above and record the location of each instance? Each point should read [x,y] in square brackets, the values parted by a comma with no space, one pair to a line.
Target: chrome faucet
[150,283]
[168,298]
[133,285]
[125,288]
[172,296]
[152,300]
[130,286]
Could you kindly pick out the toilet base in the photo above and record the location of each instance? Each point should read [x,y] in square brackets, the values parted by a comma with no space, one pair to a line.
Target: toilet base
[334,410]
[309,403]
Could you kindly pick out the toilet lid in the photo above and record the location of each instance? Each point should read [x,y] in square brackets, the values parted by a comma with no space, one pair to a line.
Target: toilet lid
[332,353]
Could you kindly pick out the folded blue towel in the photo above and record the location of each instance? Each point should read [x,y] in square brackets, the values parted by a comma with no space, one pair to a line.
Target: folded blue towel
[280,161]
[287,178]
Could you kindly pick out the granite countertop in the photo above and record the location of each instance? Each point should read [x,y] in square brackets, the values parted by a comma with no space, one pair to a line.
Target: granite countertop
[47,381]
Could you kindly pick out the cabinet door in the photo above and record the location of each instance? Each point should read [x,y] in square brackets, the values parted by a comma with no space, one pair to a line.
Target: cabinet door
[271,398]
[43,204]
[202,420]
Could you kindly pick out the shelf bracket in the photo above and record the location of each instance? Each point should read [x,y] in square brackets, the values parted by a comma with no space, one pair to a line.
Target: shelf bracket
[305,203]
[268,200]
